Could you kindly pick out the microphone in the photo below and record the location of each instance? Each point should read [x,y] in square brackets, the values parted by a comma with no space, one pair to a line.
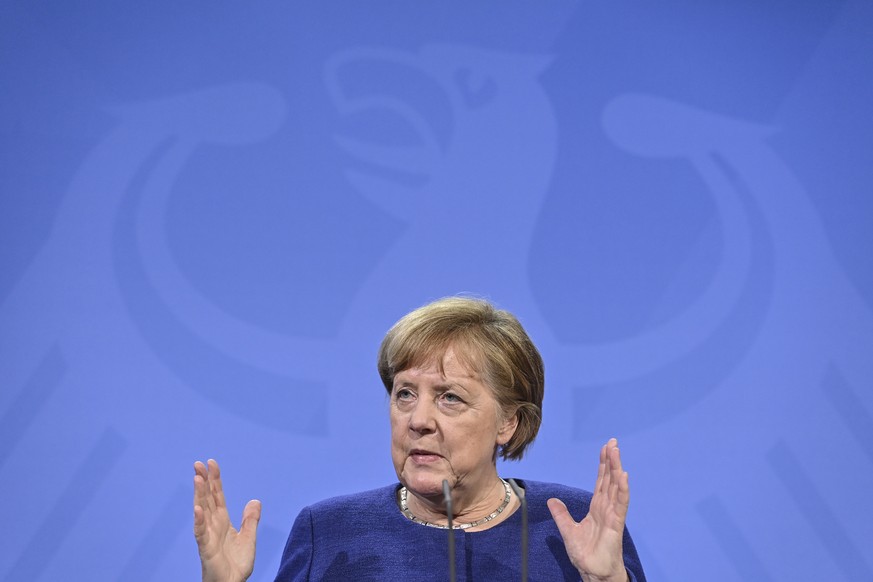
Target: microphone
[521,498]
[447,494]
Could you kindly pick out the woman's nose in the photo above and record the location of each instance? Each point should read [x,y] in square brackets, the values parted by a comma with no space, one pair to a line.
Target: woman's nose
[423,417]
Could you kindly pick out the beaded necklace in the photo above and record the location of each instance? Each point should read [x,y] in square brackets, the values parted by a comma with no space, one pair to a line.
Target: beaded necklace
[404,507]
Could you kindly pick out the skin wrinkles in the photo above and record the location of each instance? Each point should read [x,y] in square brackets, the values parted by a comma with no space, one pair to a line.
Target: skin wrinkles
[455,415]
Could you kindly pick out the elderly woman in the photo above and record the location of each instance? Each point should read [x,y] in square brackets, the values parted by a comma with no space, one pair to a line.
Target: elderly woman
[465,384]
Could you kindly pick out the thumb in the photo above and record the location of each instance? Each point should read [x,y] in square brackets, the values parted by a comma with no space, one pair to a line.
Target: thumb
[250,518]
[561,515]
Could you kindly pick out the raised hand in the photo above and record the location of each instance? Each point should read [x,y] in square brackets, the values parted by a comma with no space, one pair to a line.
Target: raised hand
[594,544]
[226,555]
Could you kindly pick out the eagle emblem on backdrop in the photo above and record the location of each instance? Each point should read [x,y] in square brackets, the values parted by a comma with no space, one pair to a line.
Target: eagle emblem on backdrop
[230,252]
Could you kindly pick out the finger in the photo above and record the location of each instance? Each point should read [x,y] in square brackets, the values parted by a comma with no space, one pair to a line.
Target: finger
[200,530]
[601,470]
[619,499]
[613,474]
[250,519]
[561,515]
[615,461]
[215,488]
[200,469]
[201,488]
[613,493]
[613,464]
[609,475]
[623,493]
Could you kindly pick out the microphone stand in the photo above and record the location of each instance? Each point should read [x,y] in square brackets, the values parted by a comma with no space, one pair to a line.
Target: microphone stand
[447,494]
[521,498]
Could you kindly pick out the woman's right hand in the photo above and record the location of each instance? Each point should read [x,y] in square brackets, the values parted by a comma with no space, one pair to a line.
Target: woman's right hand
[226,555]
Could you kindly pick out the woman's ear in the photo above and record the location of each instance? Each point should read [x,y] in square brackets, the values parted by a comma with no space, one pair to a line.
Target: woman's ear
[507,428]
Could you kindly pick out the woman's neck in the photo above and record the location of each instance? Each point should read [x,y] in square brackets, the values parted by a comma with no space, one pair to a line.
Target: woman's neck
[468,505]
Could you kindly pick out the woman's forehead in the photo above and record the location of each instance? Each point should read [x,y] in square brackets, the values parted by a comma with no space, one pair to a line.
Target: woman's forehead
[459,358]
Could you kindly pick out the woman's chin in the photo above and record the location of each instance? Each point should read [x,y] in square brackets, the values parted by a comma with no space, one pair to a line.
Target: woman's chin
[424,485]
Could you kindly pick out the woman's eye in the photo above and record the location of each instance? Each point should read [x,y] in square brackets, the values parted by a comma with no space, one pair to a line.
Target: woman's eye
[449,397]
[403,394]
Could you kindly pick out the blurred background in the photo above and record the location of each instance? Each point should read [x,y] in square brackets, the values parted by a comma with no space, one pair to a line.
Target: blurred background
[211,212]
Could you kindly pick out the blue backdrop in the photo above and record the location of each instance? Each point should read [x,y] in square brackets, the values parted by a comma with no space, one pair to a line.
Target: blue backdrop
[212,211]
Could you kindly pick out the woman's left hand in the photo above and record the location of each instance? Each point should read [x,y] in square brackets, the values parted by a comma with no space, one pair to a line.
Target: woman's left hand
[594,544]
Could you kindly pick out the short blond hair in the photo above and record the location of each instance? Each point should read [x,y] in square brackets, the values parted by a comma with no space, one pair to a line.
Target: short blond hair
[489,341]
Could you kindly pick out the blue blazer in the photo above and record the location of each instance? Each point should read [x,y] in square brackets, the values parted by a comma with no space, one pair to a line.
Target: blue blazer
[364,537]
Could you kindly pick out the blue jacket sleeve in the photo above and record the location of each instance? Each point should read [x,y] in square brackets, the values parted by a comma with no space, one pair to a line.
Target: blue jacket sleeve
[297,557]
[632,559]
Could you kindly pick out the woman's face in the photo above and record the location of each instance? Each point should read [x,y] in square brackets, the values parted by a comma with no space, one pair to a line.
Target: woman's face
[445,427]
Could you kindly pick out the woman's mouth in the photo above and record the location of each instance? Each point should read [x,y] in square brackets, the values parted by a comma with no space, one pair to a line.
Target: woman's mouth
[424,457]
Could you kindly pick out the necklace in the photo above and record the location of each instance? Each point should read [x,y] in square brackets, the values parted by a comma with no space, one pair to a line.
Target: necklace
[404,507]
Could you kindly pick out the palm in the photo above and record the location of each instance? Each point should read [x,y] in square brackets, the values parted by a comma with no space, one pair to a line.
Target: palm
[226,555]
[594,544]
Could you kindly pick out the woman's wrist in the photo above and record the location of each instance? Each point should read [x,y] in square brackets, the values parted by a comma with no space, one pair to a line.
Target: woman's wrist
[623,576]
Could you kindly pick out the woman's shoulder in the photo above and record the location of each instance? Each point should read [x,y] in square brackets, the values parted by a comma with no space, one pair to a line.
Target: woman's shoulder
[537,493]
[355,516]
[543,490]
[362,501]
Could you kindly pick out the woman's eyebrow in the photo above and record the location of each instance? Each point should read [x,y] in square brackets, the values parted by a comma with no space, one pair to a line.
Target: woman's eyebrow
[443,386]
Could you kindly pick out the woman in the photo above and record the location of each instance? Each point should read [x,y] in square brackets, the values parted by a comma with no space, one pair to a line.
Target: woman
[465,384]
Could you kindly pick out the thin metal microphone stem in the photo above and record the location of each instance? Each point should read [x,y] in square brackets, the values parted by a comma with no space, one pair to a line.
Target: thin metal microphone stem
[520,494]
[447,494]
